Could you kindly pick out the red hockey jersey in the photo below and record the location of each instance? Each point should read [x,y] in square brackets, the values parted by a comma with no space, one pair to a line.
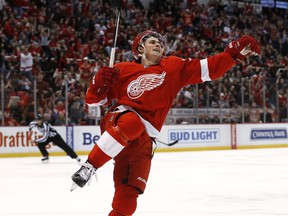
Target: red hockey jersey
[151,90]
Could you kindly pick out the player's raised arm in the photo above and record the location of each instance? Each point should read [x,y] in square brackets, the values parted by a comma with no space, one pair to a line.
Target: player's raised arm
[240,49]
[215,66]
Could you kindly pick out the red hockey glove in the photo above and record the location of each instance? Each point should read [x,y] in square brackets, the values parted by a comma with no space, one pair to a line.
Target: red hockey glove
[104,79]
[242,48]
[107,76]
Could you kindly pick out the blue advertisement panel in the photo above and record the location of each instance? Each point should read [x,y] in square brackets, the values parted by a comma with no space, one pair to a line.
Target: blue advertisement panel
[262,135]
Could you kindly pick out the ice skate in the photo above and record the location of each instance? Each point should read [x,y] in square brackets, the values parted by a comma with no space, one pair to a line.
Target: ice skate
[45,159]
[83,175]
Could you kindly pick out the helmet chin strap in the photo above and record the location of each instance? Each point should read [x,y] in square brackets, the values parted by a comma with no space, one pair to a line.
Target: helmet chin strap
[145,58]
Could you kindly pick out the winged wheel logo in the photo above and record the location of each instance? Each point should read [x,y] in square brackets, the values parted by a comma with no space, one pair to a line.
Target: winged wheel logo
[144,83]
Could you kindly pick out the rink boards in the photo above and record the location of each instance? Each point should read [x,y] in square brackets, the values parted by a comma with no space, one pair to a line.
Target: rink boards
[17,141]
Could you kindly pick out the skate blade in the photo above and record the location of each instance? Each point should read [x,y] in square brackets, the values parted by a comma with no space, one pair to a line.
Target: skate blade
[73,187]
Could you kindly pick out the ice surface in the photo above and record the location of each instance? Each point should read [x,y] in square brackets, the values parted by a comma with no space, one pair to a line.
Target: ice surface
[200,183]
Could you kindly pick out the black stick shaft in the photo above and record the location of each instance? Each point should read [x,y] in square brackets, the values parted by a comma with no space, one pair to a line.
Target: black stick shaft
[117,20]
[168,144]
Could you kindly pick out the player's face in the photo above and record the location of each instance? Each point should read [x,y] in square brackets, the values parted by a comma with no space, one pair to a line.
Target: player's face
[154,49]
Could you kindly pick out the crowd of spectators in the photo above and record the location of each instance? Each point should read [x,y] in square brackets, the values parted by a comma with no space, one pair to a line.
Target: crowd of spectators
[55,47]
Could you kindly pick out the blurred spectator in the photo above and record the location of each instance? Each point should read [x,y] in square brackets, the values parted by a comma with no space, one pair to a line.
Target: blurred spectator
[76,113]
[4,65]
[71,82]
[187,17]
[2,5]
[86,73]
[254,116]
[35,50]
[266,117]
[24,84]
[60,119]
[44,42]
[9,29]
[59,108]
[26,63]
[9,119]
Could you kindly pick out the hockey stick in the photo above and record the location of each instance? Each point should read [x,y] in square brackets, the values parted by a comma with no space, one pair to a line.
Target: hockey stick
[118,4]
[168,144]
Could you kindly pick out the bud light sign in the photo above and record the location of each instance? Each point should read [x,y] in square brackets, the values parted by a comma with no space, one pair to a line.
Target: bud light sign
[257,134]
[194,135]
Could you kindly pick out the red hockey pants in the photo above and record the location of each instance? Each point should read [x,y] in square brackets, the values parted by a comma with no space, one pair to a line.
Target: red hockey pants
[132,164]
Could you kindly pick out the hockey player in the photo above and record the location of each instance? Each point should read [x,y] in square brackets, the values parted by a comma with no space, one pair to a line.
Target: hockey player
[144,89]
[50,135]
